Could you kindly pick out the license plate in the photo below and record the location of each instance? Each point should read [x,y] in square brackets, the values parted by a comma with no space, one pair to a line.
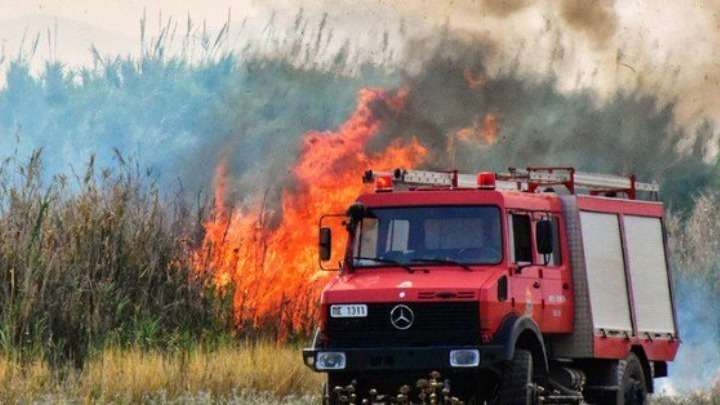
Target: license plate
[348,311]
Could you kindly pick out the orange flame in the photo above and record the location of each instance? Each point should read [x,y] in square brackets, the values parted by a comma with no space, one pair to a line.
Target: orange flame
[274,270]
[490,128]
[473,80]
[487,130]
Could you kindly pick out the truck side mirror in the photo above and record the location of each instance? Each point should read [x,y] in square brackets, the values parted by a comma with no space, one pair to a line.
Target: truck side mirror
[325,243]
[356,212]
[544,236]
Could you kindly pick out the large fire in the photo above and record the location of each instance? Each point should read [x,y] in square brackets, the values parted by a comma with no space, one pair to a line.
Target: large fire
[274,270]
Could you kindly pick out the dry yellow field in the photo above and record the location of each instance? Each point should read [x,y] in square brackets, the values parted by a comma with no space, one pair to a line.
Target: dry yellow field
[245,373]
[258,373]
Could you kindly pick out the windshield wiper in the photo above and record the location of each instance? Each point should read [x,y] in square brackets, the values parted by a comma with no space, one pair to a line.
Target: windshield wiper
[388,261]
[442,261]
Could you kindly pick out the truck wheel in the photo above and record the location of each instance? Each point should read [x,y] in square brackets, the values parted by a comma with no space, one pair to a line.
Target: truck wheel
[632,388]
[516,385]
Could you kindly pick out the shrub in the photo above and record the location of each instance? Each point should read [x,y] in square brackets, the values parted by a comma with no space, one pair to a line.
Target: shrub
[98,257]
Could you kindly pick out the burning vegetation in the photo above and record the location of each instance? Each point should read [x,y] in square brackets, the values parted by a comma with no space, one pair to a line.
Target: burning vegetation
[274,268]
[449,115]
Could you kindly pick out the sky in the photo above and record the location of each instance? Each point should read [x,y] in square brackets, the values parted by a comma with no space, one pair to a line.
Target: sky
[114,26]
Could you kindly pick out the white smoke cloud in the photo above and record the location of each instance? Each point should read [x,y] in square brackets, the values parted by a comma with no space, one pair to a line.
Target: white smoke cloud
[663,47]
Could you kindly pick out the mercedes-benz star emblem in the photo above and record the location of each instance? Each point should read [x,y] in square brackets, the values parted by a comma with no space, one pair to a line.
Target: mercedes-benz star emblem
[402,317]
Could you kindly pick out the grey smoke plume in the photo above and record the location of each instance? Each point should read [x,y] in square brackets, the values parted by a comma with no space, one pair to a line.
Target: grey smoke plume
[538,124]
[695,248]
[660,49]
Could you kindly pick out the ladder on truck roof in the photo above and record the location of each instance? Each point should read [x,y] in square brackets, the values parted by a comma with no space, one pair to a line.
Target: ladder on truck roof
[529,180]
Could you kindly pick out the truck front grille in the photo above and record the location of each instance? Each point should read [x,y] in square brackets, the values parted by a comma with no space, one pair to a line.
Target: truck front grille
[435,324]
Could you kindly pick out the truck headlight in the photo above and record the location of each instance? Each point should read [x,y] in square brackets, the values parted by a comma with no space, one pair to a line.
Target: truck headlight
[330,361]
[465,358]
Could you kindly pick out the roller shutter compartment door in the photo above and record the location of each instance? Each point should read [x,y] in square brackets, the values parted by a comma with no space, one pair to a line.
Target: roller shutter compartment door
[649,274]
[607,283]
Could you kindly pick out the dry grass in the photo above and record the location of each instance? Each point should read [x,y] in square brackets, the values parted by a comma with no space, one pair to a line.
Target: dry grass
[101,258]
[711,396]
[248,372]
[245,373]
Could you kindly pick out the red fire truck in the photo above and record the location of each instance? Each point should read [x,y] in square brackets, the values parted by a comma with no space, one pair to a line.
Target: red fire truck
[535,285]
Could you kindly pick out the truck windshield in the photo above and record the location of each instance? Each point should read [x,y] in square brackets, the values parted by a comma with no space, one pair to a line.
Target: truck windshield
[441,234]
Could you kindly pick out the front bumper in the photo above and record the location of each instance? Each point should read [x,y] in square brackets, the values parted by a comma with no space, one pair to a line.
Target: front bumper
[403,358]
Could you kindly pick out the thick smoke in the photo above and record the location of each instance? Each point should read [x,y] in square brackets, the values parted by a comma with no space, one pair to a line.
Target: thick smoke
[662,49]
[537,124]
[697,365]
[596,19]
[503,8]
[695,248]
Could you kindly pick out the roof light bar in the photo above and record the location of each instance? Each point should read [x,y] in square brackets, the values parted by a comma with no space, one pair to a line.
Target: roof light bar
[486,180]
[383,182]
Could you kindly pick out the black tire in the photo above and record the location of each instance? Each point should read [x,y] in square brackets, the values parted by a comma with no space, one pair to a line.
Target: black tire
[516,387]
[631,382]
[476,388]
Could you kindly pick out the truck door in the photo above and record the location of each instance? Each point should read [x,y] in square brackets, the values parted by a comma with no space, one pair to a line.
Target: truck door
[555,279]
[526,287]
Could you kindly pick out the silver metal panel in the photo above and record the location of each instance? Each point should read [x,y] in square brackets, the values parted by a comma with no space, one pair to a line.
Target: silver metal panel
[427,177]
[649,274]
[422,177]
[606,271]
[517,178]
[579,343]
[592,180]
[611,181]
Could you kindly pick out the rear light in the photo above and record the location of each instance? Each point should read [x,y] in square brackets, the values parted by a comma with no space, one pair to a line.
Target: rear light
[486,180]
[383,182]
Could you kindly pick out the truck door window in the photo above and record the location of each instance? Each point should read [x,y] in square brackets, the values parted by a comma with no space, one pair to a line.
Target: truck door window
[555,259]
[521,238]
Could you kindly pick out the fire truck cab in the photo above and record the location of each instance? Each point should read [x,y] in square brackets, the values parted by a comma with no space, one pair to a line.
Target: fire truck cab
[536,285]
